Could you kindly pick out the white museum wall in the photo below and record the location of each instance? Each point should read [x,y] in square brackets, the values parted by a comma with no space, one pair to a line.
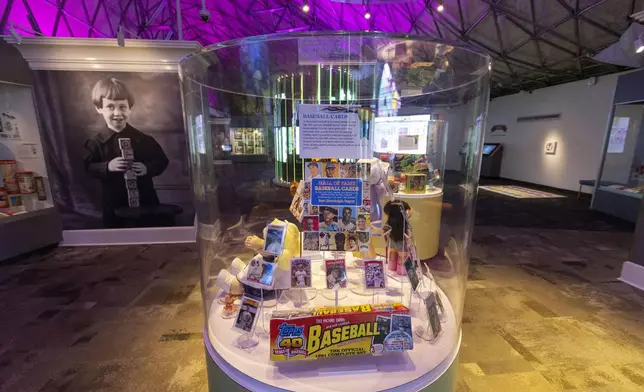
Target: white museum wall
[579,132]
[617,166]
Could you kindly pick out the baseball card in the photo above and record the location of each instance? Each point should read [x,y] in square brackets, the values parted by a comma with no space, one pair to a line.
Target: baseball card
[364,238]
[125,143]
[274,239]
[351,244]
[374,274]
[311,240]
[412,273]
[400,337]
[300,273]
[248,312]
[336,273]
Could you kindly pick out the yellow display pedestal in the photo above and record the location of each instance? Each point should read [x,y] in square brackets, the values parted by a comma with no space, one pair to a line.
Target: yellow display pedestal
[425,219]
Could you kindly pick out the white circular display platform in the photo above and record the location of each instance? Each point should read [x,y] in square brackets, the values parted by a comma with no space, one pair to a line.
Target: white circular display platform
[393,371]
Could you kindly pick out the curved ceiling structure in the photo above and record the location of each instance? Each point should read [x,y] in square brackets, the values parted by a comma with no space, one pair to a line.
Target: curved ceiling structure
[534,43]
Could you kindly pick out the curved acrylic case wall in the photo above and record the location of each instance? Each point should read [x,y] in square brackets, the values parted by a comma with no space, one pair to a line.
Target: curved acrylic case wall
[416,111]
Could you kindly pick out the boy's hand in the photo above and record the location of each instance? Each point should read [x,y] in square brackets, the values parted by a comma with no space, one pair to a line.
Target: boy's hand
[139,169]
[117,165]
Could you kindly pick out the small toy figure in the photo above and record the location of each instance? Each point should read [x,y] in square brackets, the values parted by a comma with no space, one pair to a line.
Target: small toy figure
[230,308]
[400,237]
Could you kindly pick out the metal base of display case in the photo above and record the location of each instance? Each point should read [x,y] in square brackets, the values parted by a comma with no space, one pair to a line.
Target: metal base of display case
[224,377]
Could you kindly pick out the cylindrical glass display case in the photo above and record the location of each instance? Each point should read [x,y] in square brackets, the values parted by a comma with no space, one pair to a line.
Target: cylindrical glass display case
[352,278]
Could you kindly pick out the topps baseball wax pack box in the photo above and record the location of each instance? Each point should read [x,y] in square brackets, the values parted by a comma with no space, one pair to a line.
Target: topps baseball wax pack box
[340,331]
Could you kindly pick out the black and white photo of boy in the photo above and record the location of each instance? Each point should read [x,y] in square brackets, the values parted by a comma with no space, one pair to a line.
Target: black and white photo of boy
[114,102]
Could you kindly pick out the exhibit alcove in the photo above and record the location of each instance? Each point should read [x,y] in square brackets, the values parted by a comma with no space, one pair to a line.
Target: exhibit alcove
[338,262]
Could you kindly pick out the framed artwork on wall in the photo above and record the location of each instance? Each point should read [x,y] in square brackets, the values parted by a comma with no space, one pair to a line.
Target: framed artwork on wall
[551,148]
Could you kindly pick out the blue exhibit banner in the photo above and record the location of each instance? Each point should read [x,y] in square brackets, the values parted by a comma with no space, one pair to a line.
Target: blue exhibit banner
[336,192]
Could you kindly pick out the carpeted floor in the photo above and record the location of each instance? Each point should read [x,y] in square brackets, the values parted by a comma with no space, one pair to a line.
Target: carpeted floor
[543,312]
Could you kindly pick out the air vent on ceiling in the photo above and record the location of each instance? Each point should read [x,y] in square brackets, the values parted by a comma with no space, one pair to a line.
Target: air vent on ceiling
[542,117]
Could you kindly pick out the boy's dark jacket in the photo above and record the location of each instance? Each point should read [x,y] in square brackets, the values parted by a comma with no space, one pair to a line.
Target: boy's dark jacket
[104,147]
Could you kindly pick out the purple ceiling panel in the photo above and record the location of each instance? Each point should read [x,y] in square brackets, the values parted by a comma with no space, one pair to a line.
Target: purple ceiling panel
[521,35]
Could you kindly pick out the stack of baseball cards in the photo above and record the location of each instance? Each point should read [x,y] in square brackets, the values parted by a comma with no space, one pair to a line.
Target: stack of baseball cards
[127,153]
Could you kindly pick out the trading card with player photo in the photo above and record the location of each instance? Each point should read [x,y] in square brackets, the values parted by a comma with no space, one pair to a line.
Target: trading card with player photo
[400,337]
[383,325]
[363,222]
[300,273]
[311,240]
[366,203]
[364,239]
[336,273]
[331,170]
[125,143]
[348,170]
[366,190]
[306,193]
[412,272]
[254,270]
[339,239]
[314,210]
[311,223]
[351,244]
[327,240]
[312,170]
[375,276]
[248,314]
[268,275]
[274,239]
[328,219]
[364,171]
[347,220]
[431,305]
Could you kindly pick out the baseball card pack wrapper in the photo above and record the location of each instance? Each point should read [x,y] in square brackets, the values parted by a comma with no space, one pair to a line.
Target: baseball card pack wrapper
[340,331]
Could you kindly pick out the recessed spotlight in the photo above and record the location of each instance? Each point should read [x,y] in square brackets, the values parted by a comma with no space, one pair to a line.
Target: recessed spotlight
[306,7]
[367,15]
[440,7]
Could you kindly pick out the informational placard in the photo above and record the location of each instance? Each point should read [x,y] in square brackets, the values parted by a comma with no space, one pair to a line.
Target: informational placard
[329,132]
[336,192]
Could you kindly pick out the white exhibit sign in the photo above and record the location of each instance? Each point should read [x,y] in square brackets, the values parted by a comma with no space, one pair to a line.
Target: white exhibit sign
[618,133]
[329,132]
[401,134]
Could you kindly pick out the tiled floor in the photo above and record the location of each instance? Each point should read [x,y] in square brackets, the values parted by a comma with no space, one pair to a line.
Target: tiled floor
[543,312]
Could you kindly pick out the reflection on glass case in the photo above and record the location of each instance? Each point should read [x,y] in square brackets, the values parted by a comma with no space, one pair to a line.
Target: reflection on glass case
[354,268]
[247,141]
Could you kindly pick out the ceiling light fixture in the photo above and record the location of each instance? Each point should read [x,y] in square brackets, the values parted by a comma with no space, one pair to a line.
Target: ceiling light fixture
[306,7]
[639,44]
[367,15]
[440,7]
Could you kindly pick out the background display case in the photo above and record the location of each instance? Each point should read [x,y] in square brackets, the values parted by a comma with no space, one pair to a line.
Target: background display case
[28,220]
[368,252]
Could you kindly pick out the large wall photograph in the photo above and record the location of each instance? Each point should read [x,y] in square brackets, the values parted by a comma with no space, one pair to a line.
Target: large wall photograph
[116,150]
